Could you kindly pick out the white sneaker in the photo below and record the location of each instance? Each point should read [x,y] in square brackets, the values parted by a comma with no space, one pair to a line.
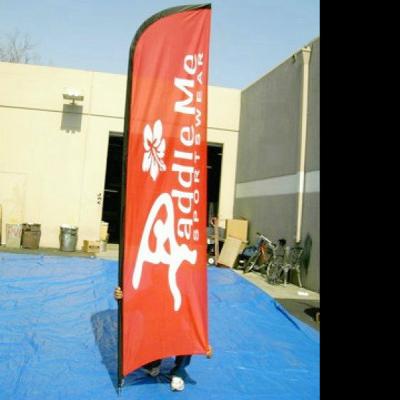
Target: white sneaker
[177,384]
[155,371]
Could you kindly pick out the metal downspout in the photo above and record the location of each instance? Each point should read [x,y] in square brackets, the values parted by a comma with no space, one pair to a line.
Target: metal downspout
[306,52]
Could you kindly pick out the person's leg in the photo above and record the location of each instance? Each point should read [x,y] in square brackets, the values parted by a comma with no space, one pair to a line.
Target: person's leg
[181,362]
[153,368]
[179,373]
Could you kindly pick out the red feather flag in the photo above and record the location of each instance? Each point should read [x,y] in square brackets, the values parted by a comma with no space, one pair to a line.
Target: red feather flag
[163,263]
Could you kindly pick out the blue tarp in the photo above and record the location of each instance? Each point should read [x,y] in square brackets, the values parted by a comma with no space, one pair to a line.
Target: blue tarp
[58,338]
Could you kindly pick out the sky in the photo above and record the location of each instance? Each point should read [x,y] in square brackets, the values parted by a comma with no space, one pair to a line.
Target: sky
[248,37]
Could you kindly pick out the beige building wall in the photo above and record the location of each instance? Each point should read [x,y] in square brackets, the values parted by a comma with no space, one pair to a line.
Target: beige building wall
[223,129]
[53,154]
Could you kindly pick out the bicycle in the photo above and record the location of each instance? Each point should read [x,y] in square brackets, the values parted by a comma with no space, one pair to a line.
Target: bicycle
[275,260]
[274,270]
[263,253]
[294,263]
[284,259]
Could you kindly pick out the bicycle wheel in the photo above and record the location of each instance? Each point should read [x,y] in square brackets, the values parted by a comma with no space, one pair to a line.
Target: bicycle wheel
[267,259]
[268,273]
[263,268]
[251,262]
[272,273]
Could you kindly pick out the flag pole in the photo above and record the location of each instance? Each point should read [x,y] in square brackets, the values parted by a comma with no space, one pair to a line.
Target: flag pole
[120,382]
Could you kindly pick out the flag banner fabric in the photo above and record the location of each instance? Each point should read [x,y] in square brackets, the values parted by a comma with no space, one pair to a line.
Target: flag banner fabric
[163,262]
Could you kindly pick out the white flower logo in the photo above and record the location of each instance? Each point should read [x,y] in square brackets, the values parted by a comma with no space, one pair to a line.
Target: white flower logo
[154,145]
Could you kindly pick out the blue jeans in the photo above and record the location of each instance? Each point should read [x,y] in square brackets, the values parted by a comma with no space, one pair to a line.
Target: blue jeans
[181,362]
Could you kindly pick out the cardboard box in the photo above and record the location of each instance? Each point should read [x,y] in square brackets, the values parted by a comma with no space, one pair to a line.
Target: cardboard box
[30,236]
[230,251]
[91,246]
[237,228]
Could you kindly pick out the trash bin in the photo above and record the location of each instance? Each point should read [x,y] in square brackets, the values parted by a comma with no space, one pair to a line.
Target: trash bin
[13,235]
[31,236]
[68,237]
[103,243]
[103,230]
